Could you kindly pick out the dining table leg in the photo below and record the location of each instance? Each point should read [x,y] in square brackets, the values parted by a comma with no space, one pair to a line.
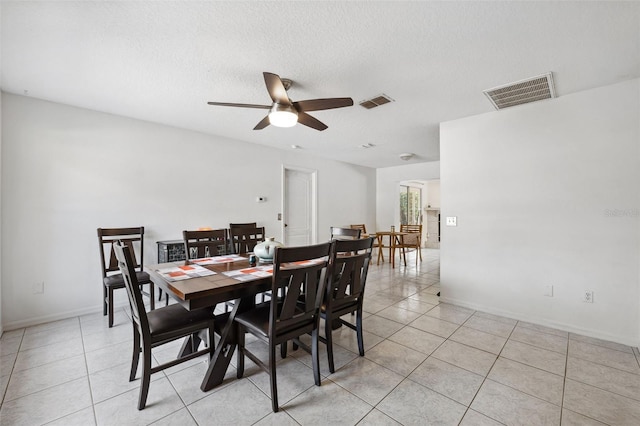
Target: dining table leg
[226,347]
[392,250]
[190,345]
[380,249]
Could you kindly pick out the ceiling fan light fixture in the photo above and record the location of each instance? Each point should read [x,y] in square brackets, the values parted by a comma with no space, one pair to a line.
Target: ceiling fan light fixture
[283,115]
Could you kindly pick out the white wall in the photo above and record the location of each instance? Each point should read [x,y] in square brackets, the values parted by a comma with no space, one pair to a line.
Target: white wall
[67,171]
[534,188]
[1,322]
[433,194]
[387,181]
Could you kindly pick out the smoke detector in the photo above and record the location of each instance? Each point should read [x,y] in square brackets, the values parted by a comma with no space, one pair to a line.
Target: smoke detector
[406,156]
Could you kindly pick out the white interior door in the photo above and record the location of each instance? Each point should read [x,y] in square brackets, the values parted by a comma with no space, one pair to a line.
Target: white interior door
[299,199]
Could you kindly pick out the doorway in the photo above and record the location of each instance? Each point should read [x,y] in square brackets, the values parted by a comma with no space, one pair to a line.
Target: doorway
[299,197]
[419,204]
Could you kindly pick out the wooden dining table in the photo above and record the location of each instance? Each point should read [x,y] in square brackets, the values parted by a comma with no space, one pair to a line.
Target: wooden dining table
[205,293]
[396,239]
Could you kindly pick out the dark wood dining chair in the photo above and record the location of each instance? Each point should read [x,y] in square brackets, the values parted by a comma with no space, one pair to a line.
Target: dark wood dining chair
[345,233]
[239,225]
[243,225]
[345,293]
[199,244]
[111,275]
[244,239]
[159,326]
[296,313]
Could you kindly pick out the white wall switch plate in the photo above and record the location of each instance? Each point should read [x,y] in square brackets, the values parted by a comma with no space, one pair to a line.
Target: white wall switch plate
[452,221]
[588,296]
[548,290]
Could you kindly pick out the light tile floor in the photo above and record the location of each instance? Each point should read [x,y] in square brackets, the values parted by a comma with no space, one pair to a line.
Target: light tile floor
[426,362]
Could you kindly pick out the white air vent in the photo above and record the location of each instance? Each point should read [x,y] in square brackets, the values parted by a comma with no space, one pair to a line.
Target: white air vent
[522,92]
[376,102]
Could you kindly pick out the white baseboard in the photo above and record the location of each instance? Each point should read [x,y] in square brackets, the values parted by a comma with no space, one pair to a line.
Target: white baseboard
[14,325]
[625,340]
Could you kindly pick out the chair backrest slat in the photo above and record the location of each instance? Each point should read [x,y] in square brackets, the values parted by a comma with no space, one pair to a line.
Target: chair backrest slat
[244,239]
[341,233]
[132,237]
[199,244]
[361,226]
[350,267]
[243,225]
[302,286]
[415,234]
[124,257]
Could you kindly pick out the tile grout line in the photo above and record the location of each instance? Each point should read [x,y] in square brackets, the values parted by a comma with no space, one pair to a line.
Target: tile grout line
[406,377]
[86,365]
[87,376]
[564,381]
[487,376]
[13,365]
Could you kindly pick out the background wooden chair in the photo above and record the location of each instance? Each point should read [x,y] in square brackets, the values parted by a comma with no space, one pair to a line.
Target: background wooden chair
[345,233]
[199,244]
[243,225]
[294,314]
[159,326]
[244,239]
[345,293]
[412,241]
[362,227]
[376,244]
[111,275]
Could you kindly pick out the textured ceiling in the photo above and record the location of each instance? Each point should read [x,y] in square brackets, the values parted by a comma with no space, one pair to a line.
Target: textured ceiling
[162,62]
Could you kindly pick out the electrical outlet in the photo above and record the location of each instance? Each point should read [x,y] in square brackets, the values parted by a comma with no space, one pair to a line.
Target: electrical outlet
[588,296]
[548,290]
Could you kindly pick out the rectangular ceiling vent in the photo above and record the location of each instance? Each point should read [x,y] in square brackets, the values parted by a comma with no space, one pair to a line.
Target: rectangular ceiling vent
[376,102]
[522,92]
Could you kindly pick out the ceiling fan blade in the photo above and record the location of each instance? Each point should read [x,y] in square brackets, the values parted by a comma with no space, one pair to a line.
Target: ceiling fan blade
[240,105]
[309,121]
[276,89]
[320,104]
[262,124]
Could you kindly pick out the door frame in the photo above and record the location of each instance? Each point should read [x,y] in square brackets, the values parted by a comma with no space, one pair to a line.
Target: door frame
[314,200]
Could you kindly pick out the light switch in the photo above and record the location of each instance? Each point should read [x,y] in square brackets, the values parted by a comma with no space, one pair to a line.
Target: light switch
[548,290]
[452,221]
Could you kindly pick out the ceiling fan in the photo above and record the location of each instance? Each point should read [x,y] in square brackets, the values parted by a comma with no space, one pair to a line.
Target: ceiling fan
[285,113]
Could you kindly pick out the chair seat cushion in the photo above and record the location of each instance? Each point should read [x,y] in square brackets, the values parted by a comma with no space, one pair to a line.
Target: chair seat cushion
[172,317]
[257,319]
[117,281]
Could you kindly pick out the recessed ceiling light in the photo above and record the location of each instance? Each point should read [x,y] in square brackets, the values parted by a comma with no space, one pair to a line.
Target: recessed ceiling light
[295,146]
[367,145]
[406,156]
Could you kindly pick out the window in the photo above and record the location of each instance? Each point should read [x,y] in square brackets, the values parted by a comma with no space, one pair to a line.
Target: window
[410,205]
